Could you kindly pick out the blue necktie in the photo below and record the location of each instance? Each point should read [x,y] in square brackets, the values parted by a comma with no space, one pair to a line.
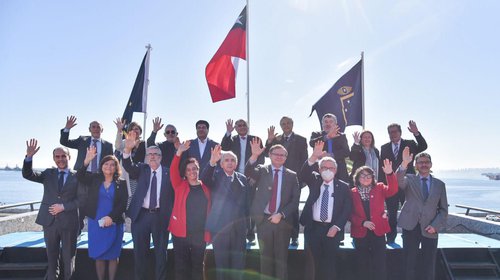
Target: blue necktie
[396,150]
[60,182]
[330,147]
[93,164]
[425,190]
[152,193]
[323,214]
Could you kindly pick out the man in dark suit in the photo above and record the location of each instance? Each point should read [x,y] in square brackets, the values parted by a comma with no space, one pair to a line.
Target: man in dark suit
[227,218]
[325,214]
[150,209]
[58,214]
[81,143]
[423,215]
[335,144]
[392,151]
[168,147]
[296,146]
[276,198]
[201,146]
[240,146]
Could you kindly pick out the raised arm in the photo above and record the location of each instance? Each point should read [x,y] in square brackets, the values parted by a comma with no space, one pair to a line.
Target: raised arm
[119,134]
[392,182]
[407,158]
[207,176]
[421,143]
[64,140]
[306,172]
[28,173]
[82,175]
[257,150]
[175,175]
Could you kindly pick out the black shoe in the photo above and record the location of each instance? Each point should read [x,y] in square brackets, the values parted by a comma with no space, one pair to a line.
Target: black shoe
[294,243]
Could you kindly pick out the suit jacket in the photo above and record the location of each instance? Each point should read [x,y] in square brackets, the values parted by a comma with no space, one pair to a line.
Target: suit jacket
[342,203]
[178,220]
[296,146]
[263,176]
[142,173]
[230,203]
[340,151]
[69,196]
[378,194]
[81,144]
[233,144]
[167,149]
[194,151]
[358,158]
[94,182]
[433,211]
[415,148]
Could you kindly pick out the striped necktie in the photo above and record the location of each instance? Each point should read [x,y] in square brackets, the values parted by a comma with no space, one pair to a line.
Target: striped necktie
[396,150]
[323,214]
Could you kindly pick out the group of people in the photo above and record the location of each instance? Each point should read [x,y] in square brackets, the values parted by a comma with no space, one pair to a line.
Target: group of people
[204,192]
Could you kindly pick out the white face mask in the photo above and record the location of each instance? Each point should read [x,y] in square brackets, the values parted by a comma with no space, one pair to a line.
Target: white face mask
[327,175]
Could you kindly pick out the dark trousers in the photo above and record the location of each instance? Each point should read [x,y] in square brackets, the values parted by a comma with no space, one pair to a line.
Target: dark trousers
[61,241]
[412,239]
[371,256]
[320,251]
[189,253]
[146,225]
[295,224]
[229,248]
[392,204]
[273,246]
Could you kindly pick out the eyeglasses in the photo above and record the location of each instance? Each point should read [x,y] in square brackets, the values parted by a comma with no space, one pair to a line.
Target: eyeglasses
[278,155]
[153,154]
[366,176]
[170,132]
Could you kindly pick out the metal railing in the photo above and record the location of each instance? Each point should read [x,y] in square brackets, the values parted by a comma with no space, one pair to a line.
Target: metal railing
[30,203]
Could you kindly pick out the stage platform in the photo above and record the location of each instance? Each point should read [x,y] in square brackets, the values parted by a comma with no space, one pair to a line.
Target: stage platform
[29,246]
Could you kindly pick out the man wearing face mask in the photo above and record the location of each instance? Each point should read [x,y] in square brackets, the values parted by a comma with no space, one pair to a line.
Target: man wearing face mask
[325,213]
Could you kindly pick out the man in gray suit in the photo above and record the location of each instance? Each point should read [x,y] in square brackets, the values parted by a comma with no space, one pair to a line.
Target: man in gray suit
[276,198]
[423,215]
[58,214]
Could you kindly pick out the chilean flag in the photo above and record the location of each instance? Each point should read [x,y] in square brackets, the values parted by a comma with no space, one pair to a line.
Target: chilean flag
[221,70]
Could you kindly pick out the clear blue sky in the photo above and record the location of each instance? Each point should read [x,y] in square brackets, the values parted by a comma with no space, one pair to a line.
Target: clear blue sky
[435,62]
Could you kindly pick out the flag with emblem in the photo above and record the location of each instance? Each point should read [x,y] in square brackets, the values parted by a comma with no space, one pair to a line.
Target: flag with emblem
[344,99]
[139,95]
[222,68]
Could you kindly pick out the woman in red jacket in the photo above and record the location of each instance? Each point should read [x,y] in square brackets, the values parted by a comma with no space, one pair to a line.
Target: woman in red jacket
[187,223]
[369,222]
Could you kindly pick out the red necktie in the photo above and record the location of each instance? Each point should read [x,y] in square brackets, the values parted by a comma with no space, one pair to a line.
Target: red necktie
[272,202]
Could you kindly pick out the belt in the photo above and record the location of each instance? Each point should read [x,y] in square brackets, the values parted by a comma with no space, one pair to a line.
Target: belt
[151,210]
[321,224]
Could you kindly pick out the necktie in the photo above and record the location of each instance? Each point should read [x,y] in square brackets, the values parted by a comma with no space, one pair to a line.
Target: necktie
[274,196]
[330,147]
[396,150]
[93,164]
[243,137]
[425,190]
[152,192]
[287,138]
[60,182]
[323,214]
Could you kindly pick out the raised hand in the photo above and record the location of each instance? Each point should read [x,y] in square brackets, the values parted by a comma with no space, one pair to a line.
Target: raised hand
[229,126]
[255,144]
[317,151]
[216,154]
[356,137]
[91,154]
[412,127]
[177,143]
[270,134]
[130,142]
[184,146]
[70,122]
[407,157]
[119,124]
[334,132]
[31,147]
[157,125]
[387,166]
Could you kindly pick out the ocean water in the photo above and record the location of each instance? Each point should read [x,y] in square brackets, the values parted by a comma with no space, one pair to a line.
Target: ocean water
[466,187]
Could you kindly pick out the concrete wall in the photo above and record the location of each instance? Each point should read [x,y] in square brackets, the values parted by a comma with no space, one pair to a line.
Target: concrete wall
[19,222]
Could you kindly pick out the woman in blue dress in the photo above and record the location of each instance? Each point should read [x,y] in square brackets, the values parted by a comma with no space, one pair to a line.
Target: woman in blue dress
[105,206]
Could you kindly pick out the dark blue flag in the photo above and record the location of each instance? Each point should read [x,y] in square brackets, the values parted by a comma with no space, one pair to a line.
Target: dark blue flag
[138,98]
[344,99]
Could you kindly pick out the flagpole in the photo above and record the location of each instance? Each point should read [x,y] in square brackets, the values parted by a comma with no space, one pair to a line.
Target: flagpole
[247,50]
[146,85]
[363,88]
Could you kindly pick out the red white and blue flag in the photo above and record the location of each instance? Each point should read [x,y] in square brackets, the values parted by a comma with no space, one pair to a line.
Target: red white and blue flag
[221,70]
